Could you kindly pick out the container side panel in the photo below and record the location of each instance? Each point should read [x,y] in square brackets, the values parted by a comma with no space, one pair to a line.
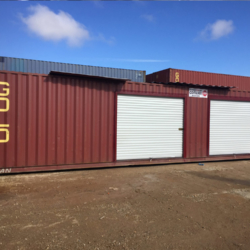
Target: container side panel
[187,127]
[103,125]
[3,121]
[204,128]
[22,120]
[109,123]
[59,147]
[191,128]
[42,117]
[69,121]
[111,118]
[95,122]
[78,118]
[87,122]
[31,117]
[11,121]
[61,121]
[197,127]
[51,121]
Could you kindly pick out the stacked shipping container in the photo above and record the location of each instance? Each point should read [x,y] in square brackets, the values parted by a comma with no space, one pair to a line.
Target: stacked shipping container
[44,67]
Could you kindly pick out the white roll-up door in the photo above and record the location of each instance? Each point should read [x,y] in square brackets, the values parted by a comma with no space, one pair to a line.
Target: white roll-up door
[229,127]
[148,127]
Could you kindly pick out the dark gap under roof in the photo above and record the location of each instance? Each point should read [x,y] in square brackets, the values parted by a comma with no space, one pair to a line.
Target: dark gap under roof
[89,76]
[196,85]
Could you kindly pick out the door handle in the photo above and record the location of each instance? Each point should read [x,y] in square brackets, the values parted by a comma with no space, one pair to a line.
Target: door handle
[181,129]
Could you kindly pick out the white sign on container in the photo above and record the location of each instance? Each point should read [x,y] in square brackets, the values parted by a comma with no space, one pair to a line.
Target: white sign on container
[200,93]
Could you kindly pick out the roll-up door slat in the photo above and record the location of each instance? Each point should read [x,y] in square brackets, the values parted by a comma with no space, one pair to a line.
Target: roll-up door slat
[229,127]
[148,127]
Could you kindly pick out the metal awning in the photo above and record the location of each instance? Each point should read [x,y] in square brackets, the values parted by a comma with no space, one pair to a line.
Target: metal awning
[89,76]
[196,85]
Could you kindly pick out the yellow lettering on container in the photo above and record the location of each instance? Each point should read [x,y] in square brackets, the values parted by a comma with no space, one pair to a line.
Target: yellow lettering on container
[3,93]
[3,128]
[177,77]
[7,106]
[7,90]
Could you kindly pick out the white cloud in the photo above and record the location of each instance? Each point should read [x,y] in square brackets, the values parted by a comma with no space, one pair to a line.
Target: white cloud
[147,17]
[216,30]
[51,26]
[145,60]
[98,3]
[140,2]
[110,41]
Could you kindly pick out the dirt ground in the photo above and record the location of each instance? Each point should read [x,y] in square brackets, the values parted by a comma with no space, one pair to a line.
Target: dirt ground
[181,206]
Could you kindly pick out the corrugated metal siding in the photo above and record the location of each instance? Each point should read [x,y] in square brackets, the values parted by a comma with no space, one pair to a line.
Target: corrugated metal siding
[196,129]
[153,88]
[197,112]
[148,127]
[229,127]
[197,118]
[57,120]
[70,120]
[44,67]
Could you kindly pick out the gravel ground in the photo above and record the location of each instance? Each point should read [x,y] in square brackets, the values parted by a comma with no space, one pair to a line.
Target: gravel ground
[179,206]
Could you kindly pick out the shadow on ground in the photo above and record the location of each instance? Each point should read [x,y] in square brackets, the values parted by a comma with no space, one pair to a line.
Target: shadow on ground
[220,178]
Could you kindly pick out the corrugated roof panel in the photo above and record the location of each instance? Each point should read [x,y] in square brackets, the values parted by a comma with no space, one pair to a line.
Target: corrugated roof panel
[44,67]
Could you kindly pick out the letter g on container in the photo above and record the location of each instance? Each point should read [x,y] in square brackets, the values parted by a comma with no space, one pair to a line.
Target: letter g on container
[5,92]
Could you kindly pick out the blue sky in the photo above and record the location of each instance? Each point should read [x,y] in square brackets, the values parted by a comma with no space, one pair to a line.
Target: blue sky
[151,36]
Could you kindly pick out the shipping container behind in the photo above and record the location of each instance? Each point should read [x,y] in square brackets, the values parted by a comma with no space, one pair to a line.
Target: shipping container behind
[160,76]
[60,121]
[196,77]
[44,67]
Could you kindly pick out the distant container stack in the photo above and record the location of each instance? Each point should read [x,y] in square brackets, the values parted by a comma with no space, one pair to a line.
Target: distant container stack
[44,67]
